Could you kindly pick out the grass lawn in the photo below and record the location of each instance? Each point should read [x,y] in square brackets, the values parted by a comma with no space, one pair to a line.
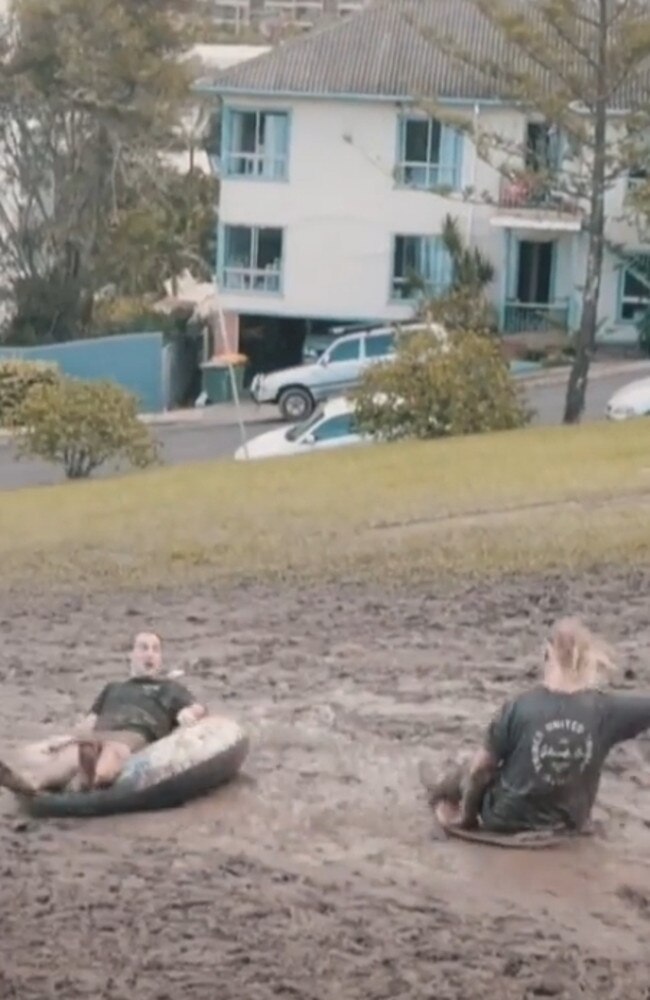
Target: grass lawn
[521,501]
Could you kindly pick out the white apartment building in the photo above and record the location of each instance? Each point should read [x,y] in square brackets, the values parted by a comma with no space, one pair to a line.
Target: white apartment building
[335,184]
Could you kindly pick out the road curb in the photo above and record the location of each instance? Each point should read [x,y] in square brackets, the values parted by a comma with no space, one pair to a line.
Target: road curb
[559,376]
[537,379]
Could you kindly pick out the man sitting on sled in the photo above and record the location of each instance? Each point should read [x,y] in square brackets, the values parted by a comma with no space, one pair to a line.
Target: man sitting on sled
[125,718]
[540,765]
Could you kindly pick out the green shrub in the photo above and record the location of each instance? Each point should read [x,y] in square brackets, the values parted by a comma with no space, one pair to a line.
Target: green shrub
[81,425]
[17,377]
[438,389]
[461,309]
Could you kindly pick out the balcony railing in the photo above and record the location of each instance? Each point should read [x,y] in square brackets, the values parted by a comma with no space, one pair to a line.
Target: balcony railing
[296,7]
[250,279]
[265,165]
[535,194]
[303,13]
[536,317]
[350,6]
[426,176]
[232,12]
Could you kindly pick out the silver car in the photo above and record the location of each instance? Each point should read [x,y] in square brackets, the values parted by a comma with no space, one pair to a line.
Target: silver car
[338,370]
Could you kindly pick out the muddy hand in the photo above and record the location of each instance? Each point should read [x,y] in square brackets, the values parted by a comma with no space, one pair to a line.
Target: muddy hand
[191,715]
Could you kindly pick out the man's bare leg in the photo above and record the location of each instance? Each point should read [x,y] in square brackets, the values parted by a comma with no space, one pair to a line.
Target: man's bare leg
[45,766]
[101,762]
[112,758]
[88,754]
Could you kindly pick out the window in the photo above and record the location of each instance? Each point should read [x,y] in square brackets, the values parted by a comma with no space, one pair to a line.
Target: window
[542,153]
[303,428]
[252,259]
[429,154]
[635,288]
[256,144]
[421,266]
[347,350]
[637,176]
[380,345]
[335,427]
[213,141]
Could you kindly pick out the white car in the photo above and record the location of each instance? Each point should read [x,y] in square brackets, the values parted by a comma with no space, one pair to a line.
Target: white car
[331,426]
[339,369]
[633,400]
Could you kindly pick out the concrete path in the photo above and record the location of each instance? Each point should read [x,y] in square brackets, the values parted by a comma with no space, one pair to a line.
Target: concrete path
[225,414]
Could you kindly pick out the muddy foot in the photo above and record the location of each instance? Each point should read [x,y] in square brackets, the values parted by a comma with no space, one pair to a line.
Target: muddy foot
[447,814]
[14,782]
[448,789]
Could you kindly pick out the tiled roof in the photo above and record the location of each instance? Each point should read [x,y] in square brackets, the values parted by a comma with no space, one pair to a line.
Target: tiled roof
[383,52]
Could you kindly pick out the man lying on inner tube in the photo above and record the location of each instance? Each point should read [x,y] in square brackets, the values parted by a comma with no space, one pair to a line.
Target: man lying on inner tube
[540,765]
[126,717]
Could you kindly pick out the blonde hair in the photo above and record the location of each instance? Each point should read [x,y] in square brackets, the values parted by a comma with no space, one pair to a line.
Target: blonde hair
[580,655]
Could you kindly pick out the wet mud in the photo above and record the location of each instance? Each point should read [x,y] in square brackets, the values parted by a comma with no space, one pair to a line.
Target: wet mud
[318,874]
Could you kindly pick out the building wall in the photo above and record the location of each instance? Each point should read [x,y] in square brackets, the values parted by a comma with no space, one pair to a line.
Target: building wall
[341,208]
[134,361]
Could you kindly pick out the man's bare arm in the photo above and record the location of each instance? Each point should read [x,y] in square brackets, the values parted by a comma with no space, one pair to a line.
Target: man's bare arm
[481,773]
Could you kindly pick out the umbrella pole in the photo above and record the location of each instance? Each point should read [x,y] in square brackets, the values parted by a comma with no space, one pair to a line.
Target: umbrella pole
[231,371]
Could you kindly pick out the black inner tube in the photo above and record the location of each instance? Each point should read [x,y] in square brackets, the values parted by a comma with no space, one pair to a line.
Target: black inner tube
[127,797]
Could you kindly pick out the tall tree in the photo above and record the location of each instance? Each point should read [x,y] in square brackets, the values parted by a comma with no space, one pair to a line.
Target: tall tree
[584,67]
[90,94]
[161,228]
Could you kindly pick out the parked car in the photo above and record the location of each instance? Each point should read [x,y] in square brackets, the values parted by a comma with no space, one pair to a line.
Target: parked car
[298,390]
[633,400]
[317,343]
[330,426]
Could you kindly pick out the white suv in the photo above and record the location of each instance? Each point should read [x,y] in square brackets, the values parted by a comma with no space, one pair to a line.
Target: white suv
[340,368]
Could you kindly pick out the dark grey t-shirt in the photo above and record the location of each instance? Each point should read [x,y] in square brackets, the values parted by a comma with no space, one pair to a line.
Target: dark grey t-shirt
[145,705]
[551,748]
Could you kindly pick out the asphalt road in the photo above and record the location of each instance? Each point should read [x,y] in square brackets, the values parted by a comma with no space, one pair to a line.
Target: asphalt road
[206,440]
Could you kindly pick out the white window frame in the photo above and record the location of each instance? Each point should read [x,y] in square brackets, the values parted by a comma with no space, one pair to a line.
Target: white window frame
[398,283]
[429,173]
[260,164]
[248,278]
[642,303]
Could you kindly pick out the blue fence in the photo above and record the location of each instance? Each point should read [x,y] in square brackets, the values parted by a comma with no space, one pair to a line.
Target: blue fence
[133,360]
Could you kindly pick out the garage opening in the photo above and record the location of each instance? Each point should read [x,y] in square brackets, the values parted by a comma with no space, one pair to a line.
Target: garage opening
[274,342]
